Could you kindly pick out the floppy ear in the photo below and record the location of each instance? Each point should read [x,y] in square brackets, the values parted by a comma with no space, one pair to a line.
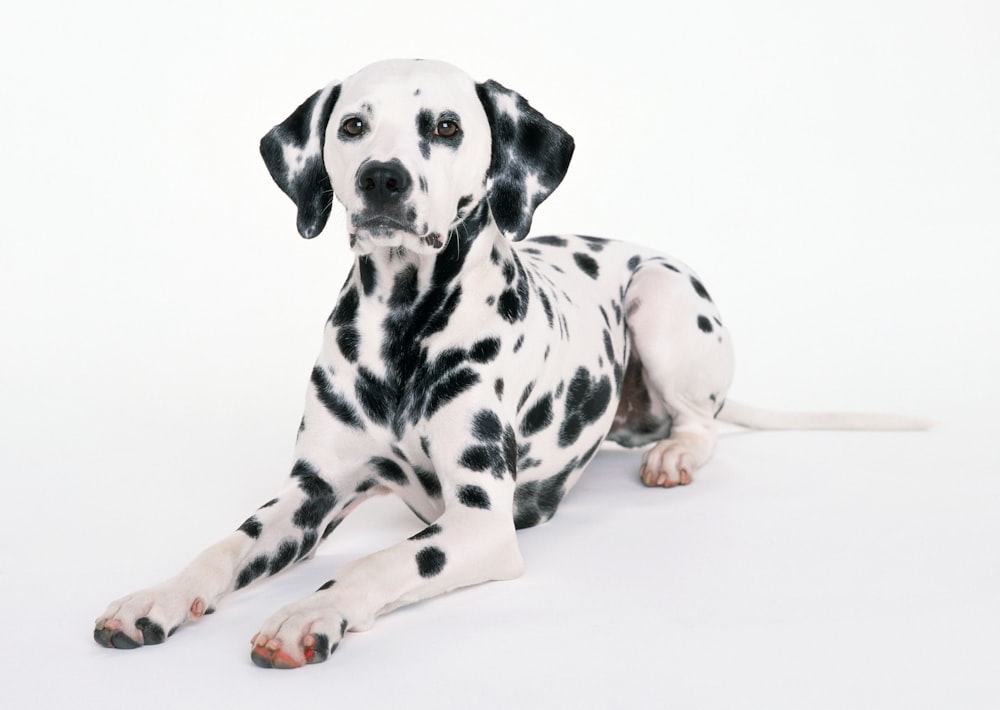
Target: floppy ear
[293,153]
[529,160]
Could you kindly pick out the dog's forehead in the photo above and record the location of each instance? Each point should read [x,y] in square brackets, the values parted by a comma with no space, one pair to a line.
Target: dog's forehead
[398,84]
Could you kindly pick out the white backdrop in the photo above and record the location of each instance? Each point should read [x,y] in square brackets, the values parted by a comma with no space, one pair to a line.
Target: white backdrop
[832,170]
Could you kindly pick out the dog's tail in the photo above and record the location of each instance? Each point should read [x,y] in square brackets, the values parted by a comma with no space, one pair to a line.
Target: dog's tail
[756,418]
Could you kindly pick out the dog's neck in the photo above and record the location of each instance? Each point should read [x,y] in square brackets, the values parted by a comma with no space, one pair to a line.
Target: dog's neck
[411,297]
[400,277]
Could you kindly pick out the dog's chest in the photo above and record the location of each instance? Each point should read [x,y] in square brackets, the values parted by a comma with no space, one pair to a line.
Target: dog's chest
[510,334]
[404,342]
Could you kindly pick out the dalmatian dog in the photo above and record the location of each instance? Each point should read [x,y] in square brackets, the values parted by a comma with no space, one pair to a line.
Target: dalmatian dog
[468,370]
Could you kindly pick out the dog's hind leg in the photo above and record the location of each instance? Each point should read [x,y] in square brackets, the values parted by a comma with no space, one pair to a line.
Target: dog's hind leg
[681,367]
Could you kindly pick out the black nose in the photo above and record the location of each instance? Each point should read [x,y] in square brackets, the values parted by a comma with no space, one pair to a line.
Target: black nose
[383,184]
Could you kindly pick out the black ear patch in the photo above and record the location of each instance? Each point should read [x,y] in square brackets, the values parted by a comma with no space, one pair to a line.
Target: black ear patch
[529,159]
[293,154]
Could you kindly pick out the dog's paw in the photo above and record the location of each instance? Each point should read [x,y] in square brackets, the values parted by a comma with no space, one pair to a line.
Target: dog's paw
[302,633]
[147,617]
[670,463]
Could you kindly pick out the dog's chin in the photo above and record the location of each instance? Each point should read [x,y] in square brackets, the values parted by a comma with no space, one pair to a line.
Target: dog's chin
[365,240]
[371,232]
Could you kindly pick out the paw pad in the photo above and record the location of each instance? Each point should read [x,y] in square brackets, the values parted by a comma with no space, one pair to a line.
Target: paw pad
[152,633]
[113,638]
[268,653]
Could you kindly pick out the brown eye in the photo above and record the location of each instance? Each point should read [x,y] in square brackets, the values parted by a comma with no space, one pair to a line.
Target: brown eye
[352,127]
[447,128]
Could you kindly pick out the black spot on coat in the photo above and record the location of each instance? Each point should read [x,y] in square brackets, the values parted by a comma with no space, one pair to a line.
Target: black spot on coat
[331,526]
[284,556]
[450,387]
[537,417]
[335,404]
[404,288]
[474,497]
[485,350]
[586,401]
[320,497]
[428,481]
[429,531]
[309,541]
[344,317]
[252,571]
[477,458]
[366,485]
[546,305]
[587,264]
[510,450]
[525,394]
[366,271]
[486,426]
[252,527]
[536,501]
[389,470]
[552,241]
[595,244]
[700,289]
[430,561]
[511,305]
[374,395]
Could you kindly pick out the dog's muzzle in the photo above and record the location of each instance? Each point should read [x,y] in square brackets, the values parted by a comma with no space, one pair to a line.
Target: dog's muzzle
[383,186]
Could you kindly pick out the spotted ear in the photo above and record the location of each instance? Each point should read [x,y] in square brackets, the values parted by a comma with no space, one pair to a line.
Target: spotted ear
[530,158]
[293,153]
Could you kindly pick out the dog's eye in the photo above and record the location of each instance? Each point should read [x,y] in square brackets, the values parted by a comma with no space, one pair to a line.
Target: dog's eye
[447,128]
[352,127]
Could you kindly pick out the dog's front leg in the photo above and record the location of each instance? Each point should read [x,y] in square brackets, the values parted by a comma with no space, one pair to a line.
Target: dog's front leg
[461,548]
[473,541]
[283,531]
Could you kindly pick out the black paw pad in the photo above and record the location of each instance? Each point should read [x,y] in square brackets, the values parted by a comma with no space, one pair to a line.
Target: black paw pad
[320,649]
[260,660]
[152,633]
[110,638]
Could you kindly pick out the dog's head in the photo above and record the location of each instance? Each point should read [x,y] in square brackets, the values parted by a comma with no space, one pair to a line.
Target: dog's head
[411,148]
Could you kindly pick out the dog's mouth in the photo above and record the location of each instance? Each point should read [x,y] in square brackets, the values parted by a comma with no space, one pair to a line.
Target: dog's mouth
[381,225]
[373,230]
